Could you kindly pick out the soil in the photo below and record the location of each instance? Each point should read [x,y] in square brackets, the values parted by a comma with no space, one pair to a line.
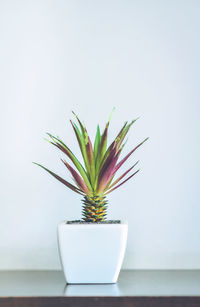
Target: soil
[104,222]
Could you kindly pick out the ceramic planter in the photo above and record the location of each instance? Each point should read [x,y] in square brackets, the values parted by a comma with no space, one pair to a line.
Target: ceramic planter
[92,253]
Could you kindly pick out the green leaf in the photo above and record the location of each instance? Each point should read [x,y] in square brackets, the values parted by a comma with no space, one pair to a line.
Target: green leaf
[102,148]
[82,146]
[97,143]
[87,152]
[103,144]
[59,144]
[119,139]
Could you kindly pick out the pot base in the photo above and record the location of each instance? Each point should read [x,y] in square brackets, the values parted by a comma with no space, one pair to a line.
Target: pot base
[92,253]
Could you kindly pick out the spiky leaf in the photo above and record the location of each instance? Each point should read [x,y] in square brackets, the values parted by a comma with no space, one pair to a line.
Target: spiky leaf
[68,184]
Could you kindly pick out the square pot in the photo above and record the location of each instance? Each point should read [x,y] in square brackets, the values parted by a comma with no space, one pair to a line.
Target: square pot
[92,253]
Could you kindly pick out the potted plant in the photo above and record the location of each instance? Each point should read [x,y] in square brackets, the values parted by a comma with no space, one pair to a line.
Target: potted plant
[92,249]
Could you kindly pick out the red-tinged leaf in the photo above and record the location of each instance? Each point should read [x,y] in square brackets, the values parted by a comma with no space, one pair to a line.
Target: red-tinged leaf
[108,161]
[79,181]
[106,155]
[59,144]
[119,136]
[83,130]
[66,183]
[128,155]
[91,159]
[124,132]
[121,131]
[103,144]
[114,153]
[120,178]
[78,136]
[114,143]
[109,191]
[80,123]
[89,149]
[106,174]
[118,152]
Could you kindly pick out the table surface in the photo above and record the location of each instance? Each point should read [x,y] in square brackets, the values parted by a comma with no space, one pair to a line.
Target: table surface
[131,283]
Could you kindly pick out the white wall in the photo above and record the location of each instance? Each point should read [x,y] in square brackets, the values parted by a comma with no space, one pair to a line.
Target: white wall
[141,57]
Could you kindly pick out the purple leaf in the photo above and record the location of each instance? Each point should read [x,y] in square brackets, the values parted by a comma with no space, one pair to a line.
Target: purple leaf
[127,156]
[107,173]
[77,178]
[108,160]
[122,176]
[66,183]
[122,183]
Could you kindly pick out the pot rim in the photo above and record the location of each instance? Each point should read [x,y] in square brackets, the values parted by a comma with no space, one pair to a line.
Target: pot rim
[122,223]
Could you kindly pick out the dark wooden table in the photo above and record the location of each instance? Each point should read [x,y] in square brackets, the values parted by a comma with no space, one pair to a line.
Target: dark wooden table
[138,288]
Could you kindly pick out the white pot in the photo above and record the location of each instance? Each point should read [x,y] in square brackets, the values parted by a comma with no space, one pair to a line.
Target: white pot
[92,253]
